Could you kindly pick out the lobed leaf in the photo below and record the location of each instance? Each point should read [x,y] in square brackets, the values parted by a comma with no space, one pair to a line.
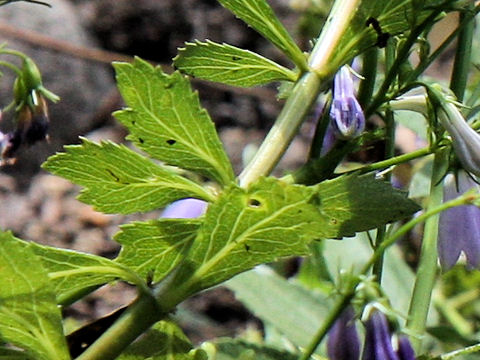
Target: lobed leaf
[390,17]
[29,316]
[154,248]
[164,341]
[260,16]
[166,121]
[357,203]
[247,227]
[71,272]
[10,354]
[229,65]
[118,180]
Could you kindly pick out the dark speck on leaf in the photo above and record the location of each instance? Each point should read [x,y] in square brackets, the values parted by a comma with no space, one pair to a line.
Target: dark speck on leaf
[133,122]
[117,179]
[141,141]
[315,200]
[171,141]
[333,221]
[247,247]
[236,58]
[254,203]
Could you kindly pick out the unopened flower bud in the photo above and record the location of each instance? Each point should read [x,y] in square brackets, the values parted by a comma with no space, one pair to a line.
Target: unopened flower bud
[343,341]
[405,349]
[378,339]
[32,126]
[346,113]
[465,140]
[31,74]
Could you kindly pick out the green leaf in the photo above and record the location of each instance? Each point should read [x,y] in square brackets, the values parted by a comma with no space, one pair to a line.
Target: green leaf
[154,248]
[164,341]
[357,203]
[235,349]
[393,17]
[166,121]
[70,272]
[118,180]
[29,316]
[247,227]
[229,65]
[9,354]
[260,16]
[268,295]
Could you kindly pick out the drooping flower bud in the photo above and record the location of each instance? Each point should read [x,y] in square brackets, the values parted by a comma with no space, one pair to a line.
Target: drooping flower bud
[31,112]
[459,227]
[185,209]
[32,126]
[378,339]
[405,349]
[346,113]
[343,341]
[465,140]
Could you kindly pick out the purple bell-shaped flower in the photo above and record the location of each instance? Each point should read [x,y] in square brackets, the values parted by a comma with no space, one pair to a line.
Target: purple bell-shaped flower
[343,341]
[459,227]
[346,113]
[378,341]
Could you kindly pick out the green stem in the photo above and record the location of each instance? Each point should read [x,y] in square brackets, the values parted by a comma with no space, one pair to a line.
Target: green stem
[452,315]
[427,267]
[468,350]
[320,131]
[369,72]
[401,56]
[142,314]
[349,292]
[12,67]
[284,129]
[389,153]
[393,161]
[333,314]
[13,52]
[149,308]
[425,64]
[335,27]
[463,55]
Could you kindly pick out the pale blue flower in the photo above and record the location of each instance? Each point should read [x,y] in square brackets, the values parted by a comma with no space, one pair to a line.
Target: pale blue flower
[185,209]
[465,140]
[459,227]
[346,113]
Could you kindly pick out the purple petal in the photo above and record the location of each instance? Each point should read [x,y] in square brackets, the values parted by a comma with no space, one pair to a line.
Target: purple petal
[459,227]
[378,343]
[346,113]
[185,209]
[329,140]
[465,140]
[343,342]
[405,350]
